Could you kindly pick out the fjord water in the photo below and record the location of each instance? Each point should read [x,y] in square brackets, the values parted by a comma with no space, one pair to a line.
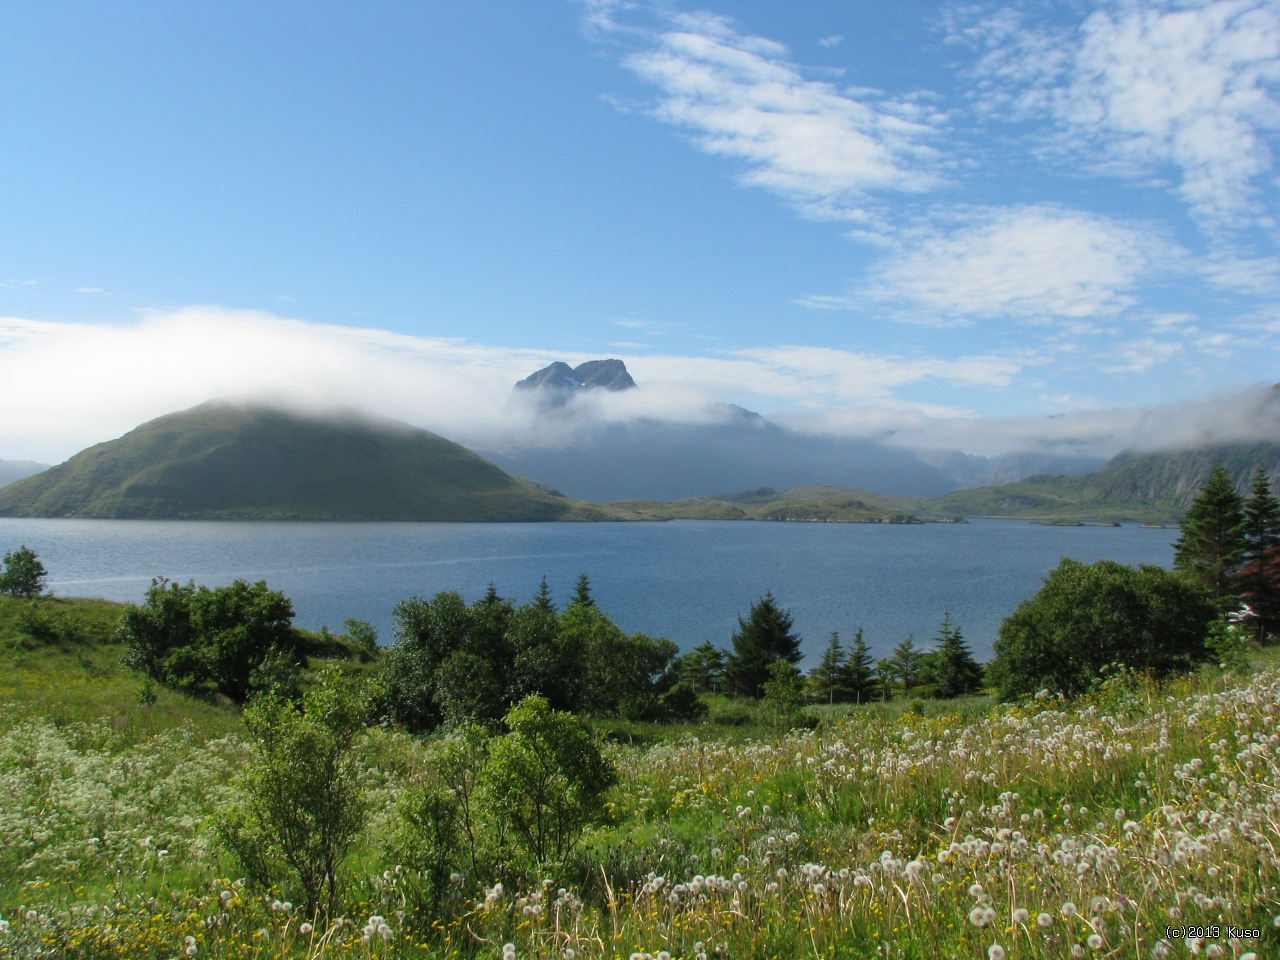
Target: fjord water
[687,580]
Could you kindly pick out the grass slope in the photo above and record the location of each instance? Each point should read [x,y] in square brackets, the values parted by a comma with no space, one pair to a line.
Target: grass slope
[1047,830]
[1142,487]
[231,461]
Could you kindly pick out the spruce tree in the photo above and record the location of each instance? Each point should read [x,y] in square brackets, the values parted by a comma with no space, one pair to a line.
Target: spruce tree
[903,665]
[828,678]
[765,636]
[582,592]
[953,669]
[860,671]
[1258,577]
[542,599]
[1212,543]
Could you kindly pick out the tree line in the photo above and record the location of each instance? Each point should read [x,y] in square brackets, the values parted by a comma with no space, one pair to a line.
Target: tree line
[454,662]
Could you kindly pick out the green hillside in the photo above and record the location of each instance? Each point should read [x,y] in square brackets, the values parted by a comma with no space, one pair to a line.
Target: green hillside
[1143,487]
[224,460]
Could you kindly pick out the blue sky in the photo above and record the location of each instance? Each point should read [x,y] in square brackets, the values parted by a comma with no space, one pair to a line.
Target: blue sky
[941,223]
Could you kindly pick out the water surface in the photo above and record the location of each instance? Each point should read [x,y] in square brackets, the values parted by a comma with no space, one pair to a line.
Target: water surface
[687,580]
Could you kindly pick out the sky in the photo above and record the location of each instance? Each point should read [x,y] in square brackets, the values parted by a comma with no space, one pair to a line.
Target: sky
[980,225]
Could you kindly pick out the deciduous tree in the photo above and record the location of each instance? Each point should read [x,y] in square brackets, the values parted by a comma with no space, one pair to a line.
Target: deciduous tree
[1087,616]
[23,575]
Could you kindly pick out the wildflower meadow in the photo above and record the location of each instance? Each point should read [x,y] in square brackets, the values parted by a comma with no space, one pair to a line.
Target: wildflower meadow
[1140,821]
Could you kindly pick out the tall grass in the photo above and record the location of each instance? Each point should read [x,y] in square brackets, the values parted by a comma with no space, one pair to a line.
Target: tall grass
[1102,828]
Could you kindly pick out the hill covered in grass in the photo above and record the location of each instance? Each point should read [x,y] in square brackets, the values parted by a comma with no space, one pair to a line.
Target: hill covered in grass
[228,460]
[1156,486]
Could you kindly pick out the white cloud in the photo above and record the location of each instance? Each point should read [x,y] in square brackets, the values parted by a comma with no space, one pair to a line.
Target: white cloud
[1185,87]
[1028,262]
[1139,356]
[1247,415]
[72,385]
[832,41]
[819,147]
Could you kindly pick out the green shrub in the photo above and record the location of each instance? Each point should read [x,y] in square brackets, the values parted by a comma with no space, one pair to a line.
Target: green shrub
[301,800]
[1088,616]
[545,779]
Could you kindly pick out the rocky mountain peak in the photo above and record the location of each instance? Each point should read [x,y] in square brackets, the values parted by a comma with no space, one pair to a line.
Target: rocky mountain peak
[559,376]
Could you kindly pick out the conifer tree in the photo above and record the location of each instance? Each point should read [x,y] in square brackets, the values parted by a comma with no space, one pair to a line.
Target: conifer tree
[828,678]
[860,671]
[952,668]
[903,665]
[542,599]
[582,592]
[1212,543]
[1258,577]
[763,637]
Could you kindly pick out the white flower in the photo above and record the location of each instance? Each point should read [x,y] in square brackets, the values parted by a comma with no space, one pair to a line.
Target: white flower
[995,952]
[305,929]
[1094,941]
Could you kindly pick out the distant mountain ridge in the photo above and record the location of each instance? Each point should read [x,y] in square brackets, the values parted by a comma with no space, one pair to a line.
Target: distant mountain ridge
[1151,485]
[717,447]
[230,460]
[11,470]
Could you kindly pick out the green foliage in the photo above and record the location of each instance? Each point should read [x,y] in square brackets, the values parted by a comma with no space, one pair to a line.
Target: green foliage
[702,667]
[624,675]
[453,663]
[546,779]
[1229,644]
[1259,577]
[763,637]
[440,828]
[860,681]
[362,634]
[1088,616]
[951,668]
[827,679]
[23,575]
[208,641]
[582,592]
[903,667]
[1212,543]
[301,800]
[783,695]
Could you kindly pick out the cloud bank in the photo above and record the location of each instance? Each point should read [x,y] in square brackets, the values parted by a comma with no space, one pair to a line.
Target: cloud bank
[72,385]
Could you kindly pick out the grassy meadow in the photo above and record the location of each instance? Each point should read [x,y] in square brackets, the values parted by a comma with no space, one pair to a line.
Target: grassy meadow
[1142,821]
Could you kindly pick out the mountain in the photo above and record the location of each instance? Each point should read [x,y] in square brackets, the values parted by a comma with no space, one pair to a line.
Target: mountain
[1157,485]
[252,460]
[970,470]
[11,470]
[692,453]
[556,383]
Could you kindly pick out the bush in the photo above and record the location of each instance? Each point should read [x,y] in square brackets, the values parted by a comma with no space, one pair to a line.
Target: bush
[1088,616]
[545,779]
[23,575]
[209,641]
[302,801]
